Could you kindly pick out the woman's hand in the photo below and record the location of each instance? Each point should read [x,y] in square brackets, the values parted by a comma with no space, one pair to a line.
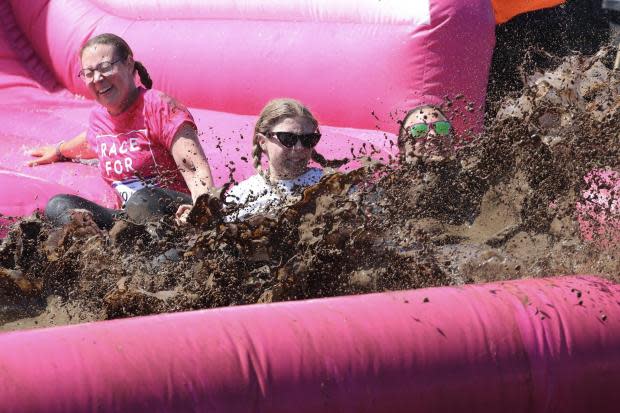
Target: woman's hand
[76,148]
[206,208]
[182,214]
[44,155]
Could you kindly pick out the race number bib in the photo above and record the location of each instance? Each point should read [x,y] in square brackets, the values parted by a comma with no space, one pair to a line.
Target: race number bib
[127,188]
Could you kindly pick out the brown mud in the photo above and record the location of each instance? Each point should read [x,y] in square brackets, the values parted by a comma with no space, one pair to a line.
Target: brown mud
[502,208]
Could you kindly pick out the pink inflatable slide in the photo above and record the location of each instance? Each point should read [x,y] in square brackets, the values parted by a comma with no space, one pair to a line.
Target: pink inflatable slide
[527,346]
[358,65]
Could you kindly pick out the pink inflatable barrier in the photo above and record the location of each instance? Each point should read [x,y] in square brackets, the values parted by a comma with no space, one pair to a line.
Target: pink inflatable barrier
[541,345]
[357,64]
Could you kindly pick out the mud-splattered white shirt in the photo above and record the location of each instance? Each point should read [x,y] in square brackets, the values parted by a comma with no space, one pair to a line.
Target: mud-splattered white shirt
[256,195]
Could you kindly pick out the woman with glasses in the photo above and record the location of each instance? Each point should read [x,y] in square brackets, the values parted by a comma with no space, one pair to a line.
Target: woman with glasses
[145,141]
[286,132]
[426,133]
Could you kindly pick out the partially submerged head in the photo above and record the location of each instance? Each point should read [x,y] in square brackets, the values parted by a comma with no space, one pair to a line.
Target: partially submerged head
[108,69]
[425,130]
[286,132]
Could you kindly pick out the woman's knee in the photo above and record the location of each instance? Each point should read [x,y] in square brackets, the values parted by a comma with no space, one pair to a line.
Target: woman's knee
[150,198]
[57,208]
[148,204]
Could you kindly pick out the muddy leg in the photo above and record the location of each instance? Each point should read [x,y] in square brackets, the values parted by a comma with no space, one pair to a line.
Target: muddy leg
[59,208]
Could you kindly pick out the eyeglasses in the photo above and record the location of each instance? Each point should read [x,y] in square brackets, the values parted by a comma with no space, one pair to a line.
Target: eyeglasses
[441,127]
[103,68]
[289,139]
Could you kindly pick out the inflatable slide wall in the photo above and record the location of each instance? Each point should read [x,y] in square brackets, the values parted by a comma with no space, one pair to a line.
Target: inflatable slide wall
[359,66]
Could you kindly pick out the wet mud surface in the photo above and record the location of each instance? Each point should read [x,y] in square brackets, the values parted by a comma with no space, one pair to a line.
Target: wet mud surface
[504,206]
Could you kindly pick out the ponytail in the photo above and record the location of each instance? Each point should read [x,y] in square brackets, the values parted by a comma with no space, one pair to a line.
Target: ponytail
[257,153]
[145,79]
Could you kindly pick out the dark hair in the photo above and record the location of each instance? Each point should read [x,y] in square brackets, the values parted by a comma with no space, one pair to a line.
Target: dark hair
[402,132]
[123,51]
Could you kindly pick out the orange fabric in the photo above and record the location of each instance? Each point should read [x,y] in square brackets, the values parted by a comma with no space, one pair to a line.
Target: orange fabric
[507,9]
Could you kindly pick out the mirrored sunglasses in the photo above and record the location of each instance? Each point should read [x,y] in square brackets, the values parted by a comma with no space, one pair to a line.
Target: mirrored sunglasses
[440,127]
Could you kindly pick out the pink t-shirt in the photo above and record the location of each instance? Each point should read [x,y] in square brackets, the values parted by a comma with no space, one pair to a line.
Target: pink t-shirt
[134,147]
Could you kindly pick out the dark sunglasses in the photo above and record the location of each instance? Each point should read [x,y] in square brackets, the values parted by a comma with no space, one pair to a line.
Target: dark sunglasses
[289,139]
[441,127]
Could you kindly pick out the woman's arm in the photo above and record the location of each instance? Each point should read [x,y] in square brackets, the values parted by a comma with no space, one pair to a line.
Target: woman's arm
[191,161]
[76,148]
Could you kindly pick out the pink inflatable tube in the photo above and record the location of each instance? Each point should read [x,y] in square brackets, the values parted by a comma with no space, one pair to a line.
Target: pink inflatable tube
[540,345]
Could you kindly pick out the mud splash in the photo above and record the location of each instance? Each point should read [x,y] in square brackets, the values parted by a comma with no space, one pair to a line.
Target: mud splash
[503,207]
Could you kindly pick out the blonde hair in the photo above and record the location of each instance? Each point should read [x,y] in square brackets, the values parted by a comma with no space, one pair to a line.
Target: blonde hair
[275,112]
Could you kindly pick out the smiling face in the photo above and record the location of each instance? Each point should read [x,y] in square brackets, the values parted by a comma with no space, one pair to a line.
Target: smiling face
[287,163]
[113,90]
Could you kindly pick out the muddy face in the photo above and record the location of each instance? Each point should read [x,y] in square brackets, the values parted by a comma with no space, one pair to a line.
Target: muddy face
[426,135]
